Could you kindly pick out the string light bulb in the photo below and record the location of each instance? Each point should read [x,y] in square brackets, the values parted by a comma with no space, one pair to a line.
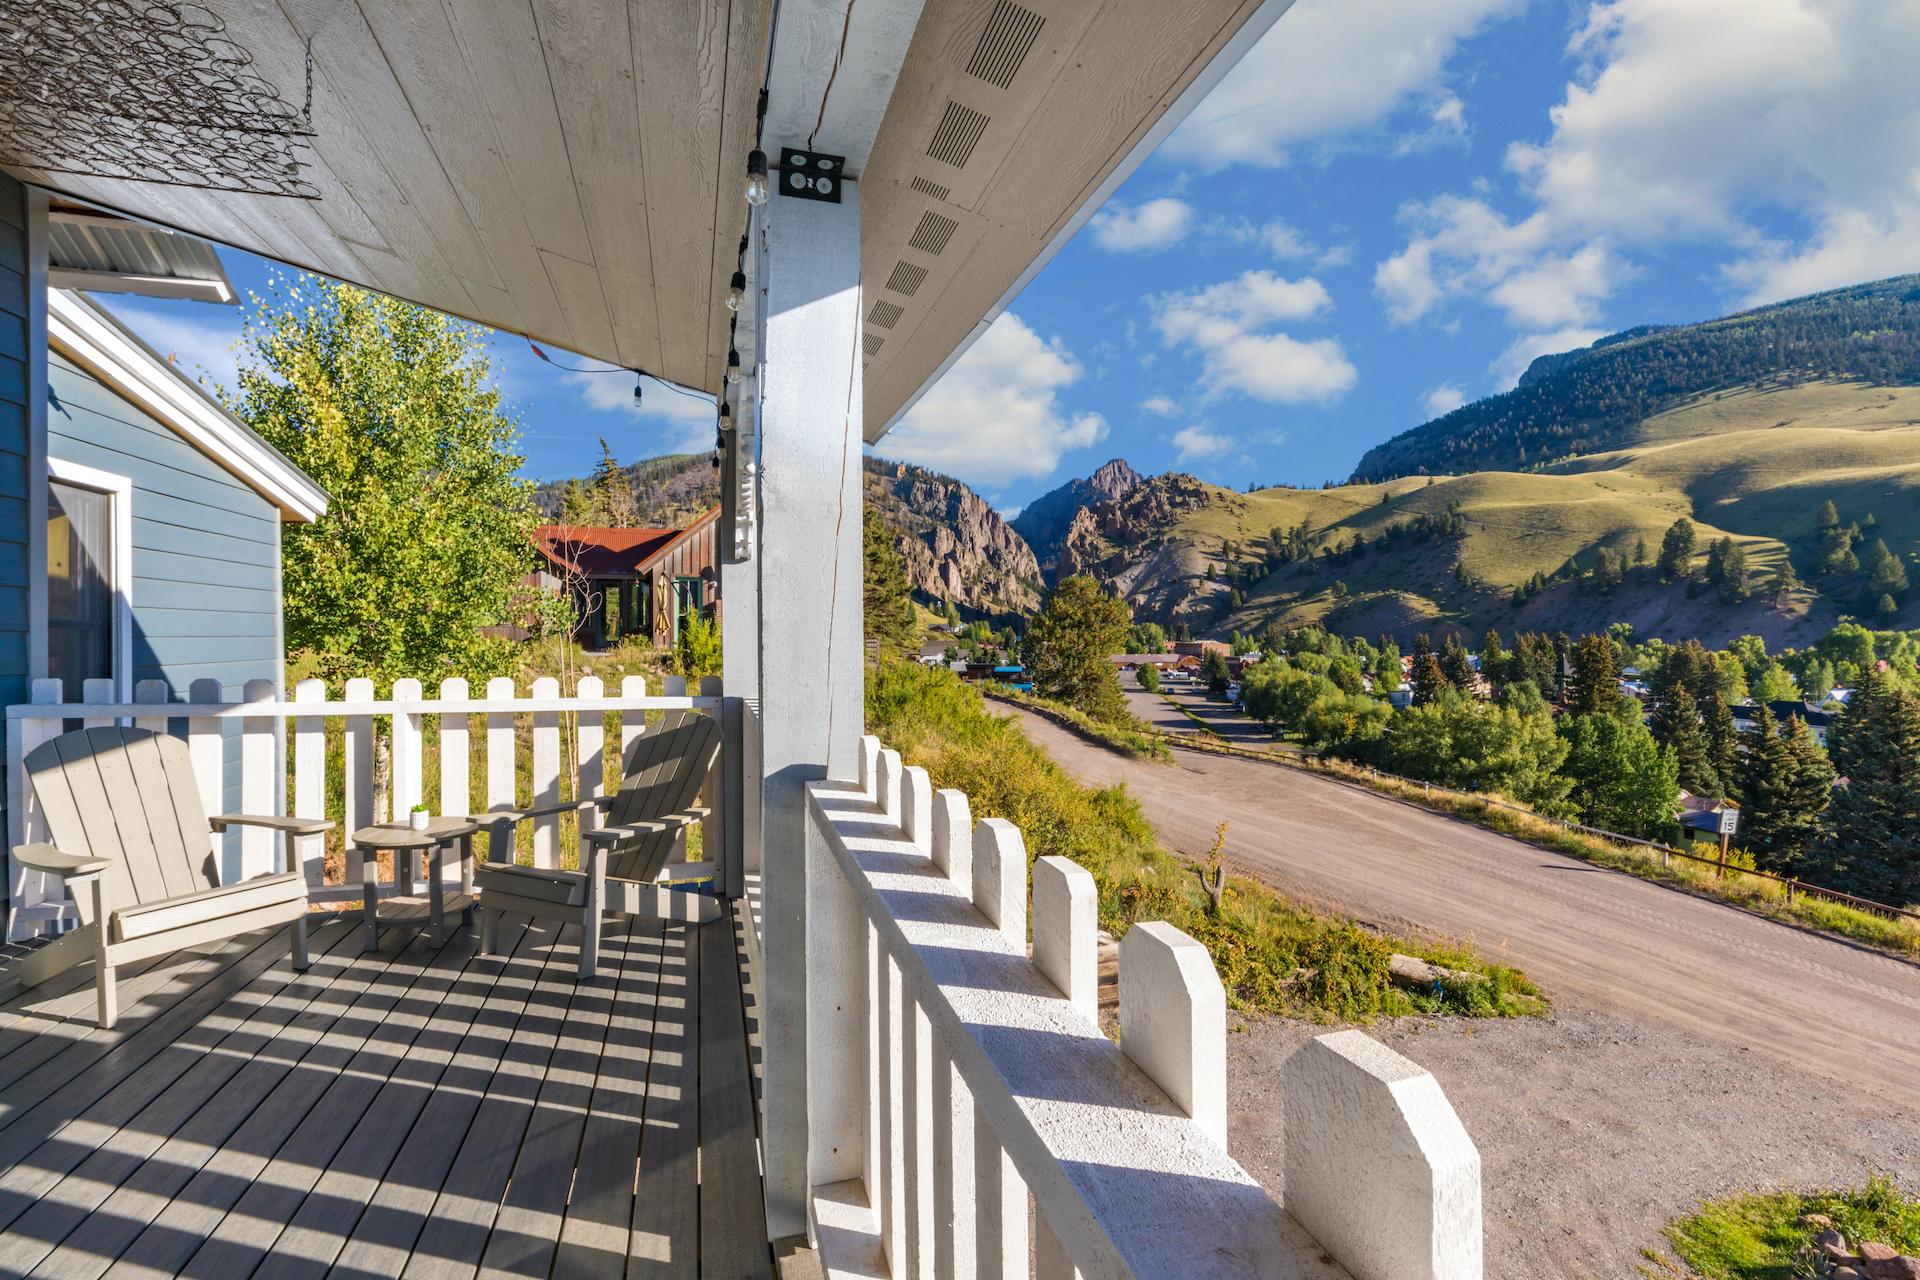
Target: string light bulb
[639,385]
[737,291]
[733,367]
[757,177]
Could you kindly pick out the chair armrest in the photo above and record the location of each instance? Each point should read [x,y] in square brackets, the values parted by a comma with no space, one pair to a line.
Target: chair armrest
[516,816]
[650,827]
[44,857]
[297,826]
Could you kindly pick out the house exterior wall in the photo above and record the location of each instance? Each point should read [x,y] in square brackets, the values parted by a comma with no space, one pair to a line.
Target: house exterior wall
[205,585]
[694,556]
[15,450]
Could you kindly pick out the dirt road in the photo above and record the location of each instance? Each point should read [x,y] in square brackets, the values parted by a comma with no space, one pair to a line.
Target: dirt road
[1598,941]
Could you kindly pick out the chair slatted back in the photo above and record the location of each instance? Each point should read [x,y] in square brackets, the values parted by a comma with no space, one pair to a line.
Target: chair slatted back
[127,795]
[662,774]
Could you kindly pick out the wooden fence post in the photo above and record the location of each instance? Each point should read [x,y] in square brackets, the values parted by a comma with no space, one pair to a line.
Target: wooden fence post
[546,776]
[1065,945]
[1173,1021]
[310,779]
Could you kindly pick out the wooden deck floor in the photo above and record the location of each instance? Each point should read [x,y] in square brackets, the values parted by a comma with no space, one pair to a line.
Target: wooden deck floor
[408,1112]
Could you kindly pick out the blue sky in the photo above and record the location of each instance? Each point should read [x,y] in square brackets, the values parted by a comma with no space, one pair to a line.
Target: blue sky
[1387,209]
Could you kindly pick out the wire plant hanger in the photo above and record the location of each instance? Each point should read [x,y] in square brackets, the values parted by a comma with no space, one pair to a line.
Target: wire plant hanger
[145,90]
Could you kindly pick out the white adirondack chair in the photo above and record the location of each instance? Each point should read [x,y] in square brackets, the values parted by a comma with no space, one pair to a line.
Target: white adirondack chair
[660,781]
[134,846]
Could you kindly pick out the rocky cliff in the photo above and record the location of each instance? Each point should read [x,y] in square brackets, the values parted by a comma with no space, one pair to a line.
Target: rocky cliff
[1045,521]
[955,544]
[1137,545]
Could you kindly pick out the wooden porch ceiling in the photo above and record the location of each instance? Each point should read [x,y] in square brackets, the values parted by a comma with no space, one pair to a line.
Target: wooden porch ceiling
[408,1112]
[574,171]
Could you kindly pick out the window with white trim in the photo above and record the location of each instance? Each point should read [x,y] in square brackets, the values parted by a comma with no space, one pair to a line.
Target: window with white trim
[88,575]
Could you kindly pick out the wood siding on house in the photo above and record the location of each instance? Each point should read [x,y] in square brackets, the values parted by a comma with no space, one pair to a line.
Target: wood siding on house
[13,453]
[693,556]
[206,595]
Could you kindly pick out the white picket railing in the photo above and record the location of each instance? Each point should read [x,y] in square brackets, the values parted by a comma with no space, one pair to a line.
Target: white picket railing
[963,1087]
[567,741]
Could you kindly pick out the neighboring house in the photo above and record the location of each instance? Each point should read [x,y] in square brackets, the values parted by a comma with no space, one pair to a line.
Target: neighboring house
[1134,661]
[156,555]
[1819,720]
[631,581]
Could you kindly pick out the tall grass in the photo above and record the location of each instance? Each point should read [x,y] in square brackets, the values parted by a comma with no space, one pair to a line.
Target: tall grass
[1274,955]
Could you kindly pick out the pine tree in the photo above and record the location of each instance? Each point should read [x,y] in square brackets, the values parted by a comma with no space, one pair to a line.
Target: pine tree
[1493,658]
[1595,686]
[575,507]
[1723,740]
[1828,517]
[611,491]
[1871,842]
[885,598]
[1455,666]
[1727,569]
[1428,679]
[1690,746]
[1785,784]
[1785,581]
[1886,576]
[1676,550]
[1640,552]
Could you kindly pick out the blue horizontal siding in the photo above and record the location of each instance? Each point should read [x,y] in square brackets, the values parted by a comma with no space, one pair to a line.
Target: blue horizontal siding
[13,455]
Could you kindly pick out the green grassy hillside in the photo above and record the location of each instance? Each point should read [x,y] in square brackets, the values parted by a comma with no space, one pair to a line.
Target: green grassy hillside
[1753,464]
[1598,399]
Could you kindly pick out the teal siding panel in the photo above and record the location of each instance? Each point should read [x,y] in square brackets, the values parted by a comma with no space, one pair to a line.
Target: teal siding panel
[188,571]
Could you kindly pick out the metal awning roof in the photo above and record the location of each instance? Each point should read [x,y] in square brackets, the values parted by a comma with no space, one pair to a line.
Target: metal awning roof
[574,171]
[106,254]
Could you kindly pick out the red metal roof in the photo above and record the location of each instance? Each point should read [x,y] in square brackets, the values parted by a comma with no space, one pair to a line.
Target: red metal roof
[596,550]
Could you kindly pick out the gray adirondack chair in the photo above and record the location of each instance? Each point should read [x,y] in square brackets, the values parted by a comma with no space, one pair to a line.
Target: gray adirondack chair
[133,844]
[660,781]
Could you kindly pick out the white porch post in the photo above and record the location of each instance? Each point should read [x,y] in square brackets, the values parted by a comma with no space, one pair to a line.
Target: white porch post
[811,626]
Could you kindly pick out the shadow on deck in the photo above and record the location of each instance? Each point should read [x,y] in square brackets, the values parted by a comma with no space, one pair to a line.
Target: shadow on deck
[409,1111]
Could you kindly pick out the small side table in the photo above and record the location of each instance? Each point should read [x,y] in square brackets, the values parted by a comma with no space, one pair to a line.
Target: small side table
[407,845]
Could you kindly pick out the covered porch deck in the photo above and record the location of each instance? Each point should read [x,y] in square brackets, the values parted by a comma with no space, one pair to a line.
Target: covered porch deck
[413,1111]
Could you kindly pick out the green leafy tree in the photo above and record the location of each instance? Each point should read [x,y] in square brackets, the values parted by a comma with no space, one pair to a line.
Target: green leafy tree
[390,408]
[1595,685]
[1146,637]
[1623,780]
[1386,671]
[1215,672]
[884,595]
[1774,684]
[1871,841]
[1676,550]
[576,508]
[1785,785]
[1149,677]
[1070,646]
[1474,746]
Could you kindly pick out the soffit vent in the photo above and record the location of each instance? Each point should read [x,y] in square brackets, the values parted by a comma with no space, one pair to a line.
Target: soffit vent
[870,343]
[933,189]
[885,314]
[958,134]
[1004,45]
[931,236]
[907,278]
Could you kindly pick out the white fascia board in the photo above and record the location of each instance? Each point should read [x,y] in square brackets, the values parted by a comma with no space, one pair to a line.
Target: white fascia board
[89,336]
[1222,62]
[146,286]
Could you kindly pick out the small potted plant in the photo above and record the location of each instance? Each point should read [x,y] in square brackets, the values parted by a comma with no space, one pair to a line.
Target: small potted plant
[418,818]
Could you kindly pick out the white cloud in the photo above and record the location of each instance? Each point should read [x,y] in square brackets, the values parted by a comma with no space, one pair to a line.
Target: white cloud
[1327,69]
[683,423]
[1197,441]
[1160,406]
[205,351]
[1721,123]
[1524,350]
[1228,325]
[1157,224]
[995,416]
[1444,399]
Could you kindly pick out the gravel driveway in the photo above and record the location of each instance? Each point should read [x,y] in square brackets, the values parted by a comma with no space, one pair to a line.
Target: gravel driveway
[1596,1131]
